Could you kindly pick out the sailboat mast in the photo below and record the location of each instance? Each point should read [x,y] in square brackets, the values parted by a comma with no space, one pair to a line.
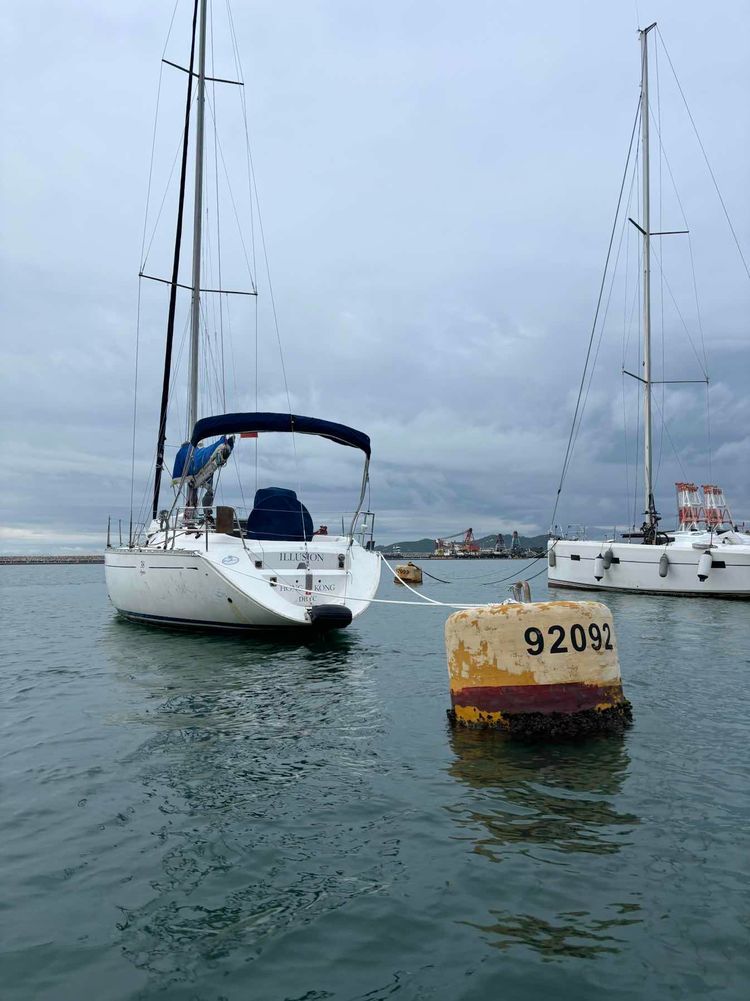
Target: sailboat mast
[197,222]
[646,231]
[162,435]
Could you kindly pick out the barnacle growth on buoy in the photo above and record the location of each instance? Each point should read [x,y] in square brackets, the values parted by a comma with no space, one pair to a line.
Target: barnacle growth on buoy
[539,669]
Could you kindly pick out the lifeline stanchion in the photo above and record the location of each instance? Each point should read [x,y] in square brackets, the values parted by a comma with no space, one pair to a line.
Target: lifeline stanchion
[537,669]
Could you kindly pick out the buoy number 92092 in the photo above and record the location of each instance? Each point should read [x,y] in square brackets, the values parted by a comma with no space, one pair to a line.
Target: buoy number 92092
[579,637]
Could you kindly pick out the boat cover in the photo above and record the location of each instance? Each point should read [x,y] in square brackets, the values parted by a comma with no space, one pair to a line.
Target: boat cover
[204,461]
[239,423]
[278,515]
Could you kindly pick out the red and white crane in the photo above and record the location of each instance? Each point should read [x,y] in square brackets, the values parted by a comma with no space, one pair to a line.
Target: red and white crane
[467,546]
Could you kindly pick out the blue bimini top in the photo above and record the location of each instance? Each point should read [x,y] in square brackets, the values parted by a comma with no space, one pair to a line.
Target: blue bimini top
[290,423]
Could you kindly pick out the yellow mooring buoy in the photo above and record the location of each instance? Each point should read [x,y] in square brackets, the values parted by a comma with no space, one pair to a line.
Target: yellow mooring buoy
[409,572]
[546,668]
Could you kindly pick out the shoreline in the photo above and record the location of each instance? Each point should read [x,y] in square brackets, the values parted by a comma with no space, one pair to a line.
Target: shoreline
[92,558]
[42,560]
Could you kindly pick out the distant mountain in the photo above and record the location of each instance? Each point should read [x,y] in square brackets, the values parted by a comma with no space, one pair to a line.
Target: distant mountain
[486,542]
[421,546]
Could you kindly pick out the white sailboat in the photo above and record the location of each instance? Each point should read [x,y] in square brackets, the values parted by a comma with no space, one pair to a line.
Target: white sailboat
[197,565]
[706,555]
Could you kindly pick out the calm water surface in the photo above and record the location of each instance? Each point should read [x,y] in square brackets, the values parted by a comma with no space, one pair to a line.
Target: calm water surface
[215,818]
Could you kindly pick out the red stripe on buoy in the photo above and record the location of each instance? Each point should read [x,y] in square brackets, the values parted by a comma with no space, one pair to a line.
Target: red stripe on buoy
[570,697]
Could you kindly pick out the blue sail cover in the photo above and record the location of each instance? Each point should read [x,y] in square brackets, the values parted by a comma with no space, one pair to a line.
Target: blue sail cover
[208,456]
[244,423]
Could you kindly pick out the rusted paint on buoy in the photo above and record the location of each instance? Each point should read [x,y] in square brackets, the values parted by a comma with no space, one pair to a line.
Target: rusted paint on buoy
[409,572]
[541,668]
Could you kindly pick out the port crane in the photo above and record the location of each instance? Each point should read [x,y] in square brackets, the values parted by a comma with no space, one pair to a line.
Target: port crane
[467,546]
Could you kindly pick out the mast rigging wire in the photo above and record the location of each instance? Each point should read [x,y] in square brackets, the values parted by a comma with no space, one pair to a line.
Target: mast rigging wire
[271,296]
[703,151]
[662,156]
[140,269]
[603,324]
[698,312]
[218,217]
[231,195]
[145,253]
[685,327]
[175,273]
[135,408]
[153,135]
[253,191]
[568,451]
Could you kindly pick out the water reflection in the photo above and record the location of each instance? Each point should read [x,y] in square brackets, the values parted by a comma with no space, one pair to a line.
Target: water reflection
[558,796]
[252,752]
[206,671]
[575,934]
[180,642]
[523,805]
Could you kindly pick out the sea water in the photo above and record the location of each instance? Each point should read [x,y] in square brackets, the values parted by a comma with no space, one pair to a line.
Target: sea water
[214,817]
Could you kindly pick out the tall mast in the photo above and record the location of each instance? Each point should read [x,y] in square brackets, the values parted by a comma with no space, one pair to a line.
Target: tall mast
[650,507]
[197,220]
[162,435]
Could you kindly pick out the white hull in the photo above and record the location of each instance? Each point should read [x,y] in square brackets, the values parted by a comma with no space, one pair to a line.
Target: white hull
[635,567]
[230,586]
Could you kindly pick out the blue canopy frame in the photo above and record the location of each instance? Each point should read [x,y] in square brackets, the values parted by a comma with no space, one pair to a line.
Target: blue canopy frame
[228,424]
[289,423]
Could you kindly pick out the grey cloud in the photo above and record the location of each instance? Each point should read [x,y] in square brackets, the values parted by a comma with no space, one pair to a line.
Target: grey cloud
[437,185]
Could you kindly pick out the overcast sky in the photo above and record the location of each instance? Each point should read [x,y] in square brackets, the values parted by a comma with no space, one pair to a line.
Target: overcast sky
[437,183]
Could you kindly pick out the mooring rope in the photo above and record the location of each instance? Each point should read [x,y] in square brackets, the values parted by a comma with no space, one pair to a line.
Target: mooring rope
[491,583]
[424,601]
[435,602]
[433,577]
[504,580]
[478,579]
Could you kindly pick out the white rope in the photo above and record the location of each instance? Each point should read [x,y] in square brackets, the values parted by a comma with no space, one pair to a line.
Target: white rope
[424,601]
[432,601]
[423,597]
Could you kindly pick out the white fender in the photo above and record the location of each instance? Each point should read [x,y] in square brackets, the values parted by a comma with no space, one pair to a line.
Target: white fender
[599,567]
[704,566]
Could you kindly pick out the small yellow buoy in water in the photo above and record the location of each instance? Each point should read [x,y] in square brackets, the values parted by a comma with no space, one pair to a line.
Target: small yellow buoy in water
[547,668]
[409,572]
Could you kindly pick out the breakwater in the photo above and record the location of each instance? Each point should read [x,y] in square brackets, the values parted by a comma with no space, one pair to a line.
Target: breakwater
[36,560]
[525,555]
